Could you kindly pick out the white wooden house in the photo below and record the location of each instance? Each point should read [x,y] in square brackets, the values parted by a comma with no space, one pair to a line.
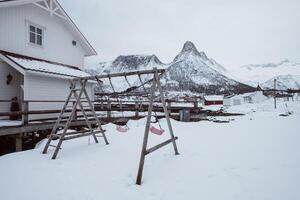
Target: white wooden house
[40,50]
[251,97]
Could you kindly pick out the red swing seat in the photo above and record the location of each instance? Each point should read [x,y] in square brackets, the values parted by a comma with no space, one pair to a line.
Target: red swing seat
[122,129]
[156,130]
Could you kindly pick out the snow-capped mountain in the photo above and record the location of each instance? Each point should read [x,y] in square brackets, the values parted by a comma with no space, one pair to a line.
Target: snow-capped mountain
[127,63]
[262,74]
[194,71]
[283,82]
[190,71]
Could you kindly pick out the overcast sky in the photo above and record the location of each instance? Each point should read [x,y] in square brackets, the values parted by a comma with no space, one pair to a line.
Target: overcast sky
[233,32]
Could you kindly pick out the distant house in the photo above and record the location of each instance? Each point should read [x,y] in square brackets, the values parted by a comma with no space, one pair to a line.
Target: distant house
[41,49]
[233,100]
[213,100]
[251,97]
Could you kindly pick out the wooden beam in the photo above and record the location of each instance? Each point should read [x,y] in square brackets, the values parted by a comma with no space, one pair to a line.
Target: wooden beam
[166,113]
[146,135]
[25,108]
[35,127]
[46,4]
[132,73]
[160,145]
[19,142]
[50,10]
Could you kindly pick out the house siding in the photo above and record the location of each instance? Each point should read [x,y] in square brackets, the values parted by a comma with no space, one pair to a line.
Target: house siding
[41,87]
[57,45]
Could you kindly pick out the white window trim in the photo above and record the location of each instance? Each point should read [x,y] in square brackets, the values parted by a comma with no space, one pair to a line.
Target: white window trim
[28,24]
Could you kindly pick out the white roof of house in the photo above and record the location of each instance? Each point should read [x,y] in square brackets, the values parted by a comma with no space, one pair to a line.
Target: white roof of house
[248,94]
[57,10]
[42,66]
[214,98]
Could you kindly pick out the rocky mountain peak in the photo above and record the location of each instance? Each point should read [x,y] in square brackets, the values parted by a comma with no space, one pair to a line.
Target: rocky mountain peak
[188,47]
[133,61]
[190,50]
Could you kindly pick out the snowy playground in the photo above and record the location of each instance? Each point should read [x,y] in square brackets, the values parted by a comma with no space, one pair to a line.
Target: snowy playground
[254,156]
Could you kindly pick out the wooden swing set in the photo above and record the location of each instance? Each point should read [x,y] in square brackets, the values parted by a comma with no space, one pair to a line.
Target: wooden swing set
[79,98]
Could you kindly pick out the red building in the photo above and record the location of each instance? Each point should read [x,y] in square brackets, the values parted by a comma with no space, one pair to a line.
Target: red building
[213,100]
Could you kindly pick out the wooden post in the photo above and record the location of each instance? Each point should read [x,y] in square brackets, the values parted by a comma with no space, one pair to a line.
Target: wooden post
[102,106]
[25,108]
[76,113]
[275,106]
[195,104]
[169,107]
[108,109]
[136,109]
[146,135]
[166,113]
[144,152]
[19,142]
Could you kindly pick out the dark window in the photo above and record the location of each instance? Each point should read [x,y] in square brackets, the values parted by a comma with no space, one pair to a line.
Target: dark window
[35,35]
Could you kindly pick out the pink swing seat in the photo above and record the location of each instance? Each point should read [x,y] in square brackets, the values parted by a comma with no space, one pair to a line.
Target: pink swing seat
[156,131]
[122,129]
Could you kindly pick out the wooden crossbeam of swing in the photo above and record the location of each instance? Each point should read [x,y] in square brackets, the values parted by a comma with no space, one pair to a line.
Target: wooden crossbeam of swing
[156,147]
[82,135]
[132,73]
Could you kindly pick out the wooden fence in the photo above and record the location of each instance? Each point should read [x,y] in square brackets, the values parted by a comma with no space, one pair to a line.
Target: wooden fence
[103,107]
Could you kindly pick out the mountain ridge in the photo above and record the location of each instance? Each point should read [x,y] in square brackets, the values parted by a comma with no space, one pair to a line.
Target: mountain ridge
[190,71]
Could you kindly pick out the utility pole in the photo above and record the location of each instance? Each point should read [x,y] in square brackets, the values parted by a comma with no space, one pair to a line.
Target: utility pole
[275,93]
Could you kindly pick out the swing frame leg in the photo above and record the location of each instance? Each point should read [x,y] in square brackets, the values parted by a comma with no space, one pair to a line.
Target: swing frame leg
[156,84]
[146,135]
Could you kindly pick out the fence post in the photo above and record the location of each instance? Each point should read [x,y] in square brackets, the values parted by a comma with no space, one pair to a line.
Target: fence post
[169,107]
[19,142]
[136,109]
[102,106]
[108,109]
[195,104]
[76,113]
[25,109]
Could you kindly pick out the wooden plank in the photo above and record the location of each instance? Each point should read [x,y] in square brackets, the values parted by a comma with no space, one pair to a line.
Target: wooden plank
[19,142]
[146,135]
[166,113]
[77,97]
[25,108]
[156,147]
[132,73]
[96,118]
[81,135]
[54,128]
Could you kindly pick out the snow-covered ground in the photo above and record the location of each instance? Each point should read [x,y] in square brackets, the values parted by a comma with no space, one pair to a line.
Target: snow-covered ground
[255,156]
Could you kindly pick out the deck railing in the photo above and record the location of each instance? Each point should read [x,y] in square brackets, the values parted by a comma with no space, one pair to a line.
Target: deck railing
[101,105]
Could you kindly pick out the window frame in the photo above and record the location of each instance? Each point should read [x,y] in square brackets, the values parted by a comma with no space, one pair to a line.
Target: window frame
[36,34]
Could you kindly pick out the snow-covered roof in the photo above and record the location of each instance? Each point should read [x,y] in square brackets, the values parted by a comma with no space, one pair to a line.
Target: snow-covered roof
[43,66]
[248,94]
[214,98]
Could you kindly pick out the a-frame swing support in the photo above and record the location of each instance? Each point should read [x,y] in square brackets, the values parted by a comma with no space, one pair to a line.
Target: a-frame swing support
[155,85]
[77,94]
[82,94]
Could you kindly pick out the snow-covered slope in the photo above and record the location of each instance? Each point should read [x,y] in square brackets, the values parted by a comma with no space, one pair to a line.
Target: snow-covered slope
[259,74]
[283,82]
[254,157]
[194,71]
[126,64]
